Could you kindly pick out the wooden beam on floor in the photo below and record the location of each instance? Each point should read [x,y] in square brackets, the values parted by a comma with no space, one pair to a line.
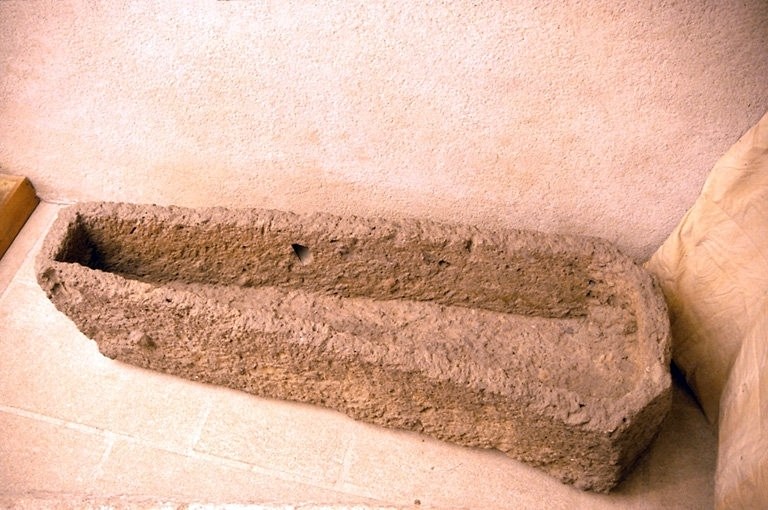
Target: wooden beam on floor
[17,201]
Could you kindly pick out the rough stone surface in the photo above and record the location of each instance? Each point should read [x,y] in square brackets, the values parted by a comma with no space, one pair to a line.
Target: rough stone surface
[551,349]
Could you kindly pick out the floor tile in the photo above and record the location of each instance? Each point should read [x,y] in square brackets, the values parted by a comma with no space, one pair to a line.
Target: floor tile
[137,470]
[298,440]
[38,456]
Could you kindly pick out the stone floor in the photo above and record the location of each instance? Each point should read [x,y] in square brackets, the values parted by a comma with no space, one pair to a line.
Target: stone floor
[81,430]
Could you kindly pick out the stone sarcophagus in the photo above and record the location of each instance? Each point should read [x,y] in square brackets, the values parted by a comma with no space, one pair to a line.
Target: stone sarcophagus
[554,350]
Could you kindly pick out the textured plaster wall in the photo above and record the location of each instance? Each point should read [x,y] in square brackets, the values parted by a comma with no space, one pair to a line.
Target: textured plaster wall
[597,117]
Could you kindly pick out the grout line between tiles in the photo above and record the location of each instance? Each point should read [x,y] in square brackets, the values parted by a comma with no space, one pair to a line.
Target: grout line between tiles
[346,461]
[285,476]
[201,425]
[225,461]
[50,420]
[61,202]
[98,471]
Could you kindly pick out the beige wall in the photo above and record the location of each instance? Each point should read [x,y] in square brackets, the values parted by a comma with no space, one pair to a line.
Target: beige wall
[593,117]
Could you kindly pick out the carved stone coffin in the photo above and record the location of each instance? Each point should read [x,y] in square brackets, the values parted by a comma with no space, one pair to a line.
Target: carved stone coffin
[552,349]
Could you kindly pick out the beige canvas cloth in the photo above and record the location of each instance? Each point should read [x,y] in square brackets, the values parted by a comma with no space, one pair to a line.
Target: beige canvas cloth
[713,269]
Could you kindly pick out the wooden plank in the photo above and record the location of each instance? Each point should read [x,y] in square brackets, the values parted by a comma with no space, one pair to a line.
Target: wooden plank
[17,201]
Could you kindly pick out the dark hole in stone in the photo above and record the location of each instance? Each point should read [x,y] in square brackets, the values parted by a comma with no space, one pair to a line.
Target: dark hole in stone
[302,252]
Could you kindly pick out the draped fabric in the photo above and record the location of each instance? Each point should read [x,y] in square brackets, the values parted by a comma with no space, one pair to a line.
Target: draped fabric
[713,269]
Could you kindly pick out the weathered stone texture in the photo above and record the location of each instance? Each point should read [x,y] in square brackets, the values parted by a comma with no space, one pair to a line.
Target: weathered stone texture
[552,349]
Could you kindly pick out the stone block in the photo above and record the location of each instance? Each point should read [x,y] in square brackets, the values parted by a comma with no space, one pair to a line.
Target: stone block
[552,349]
